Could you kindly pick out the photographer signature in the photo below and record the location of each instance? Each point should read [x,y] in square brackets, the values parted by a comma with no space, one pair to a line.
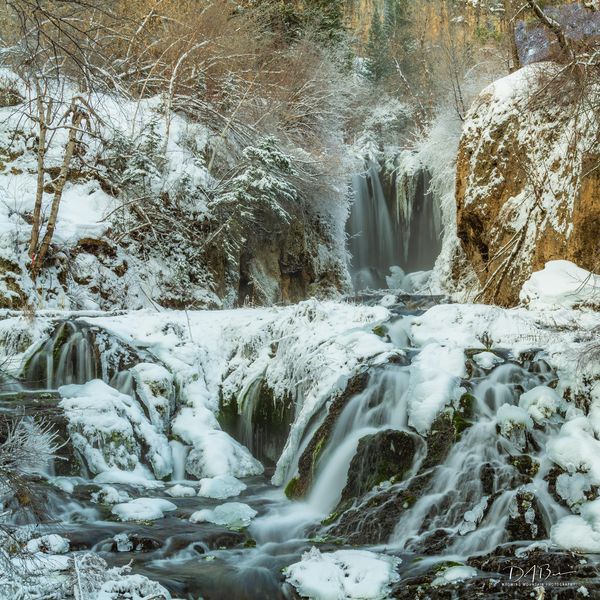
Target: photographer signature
[535,573]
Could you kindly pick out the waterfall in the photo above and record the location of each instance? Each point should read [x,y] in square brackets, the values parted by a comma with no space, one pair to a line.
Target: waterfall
[381,406]
[67,356]
[457,487]
[395,221]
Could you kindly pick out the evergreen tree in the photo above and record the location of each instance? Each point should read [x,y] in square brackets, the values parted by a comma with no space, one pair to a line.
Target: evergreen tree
[378,61]
[397,26]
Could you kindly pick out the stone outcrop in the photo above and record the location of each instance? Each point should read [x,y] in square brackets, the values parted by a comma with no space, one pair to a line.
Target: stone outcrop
[528,182]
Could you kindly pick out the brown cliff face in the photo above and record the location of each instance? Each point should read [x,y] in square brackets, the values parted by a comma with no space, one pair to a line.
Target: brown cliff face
[528,183]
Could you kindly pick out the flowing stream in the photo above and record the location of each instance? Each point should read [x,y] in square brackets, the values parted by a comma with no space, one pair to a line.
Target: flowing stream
[462,508]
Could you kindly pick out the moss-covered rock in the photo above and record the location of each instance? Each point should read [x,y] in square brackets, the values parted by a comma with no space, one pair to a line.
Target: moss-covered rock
[440,439]
[525,520]
[374,517]
[259,420]
[385,455]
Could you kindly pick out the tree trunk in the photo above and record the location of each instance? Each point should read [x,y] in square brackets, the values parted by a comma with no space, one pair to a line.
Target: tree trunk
[43,118]
[58,190]
[509,16]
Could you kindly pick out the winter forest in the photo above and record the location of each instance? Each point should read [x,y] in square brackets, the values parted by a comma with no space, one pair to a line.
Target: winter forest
[299,299]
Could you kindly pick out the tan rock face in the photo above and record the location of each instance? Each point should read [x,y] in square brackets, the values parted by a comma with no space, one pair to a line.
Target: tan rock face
[528,182]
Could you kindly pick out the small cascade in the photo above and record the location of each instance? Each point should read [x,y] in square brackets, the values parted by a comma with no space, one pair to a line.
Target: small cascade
[395,221]
[468,501]
[260,422]
[179,452]
[380,407]
[68,356]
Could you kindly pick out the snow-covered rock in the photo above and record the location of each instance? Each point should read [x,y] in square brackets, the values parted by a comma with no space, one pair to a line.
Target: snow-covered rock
[110,495]
[542,402]
[234,515]
[143,509]
[180,491]
[108,429]
[561,284]
[487,360]
[345,574]
[453,575]
[221,487]
[48,544]
[514,421]
[579,533]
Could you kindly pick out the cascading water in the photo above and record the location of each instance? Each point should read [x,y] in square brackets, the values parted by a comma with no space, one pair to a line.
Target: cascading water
[382,406]
[454,506]
[396,222]
[68,356]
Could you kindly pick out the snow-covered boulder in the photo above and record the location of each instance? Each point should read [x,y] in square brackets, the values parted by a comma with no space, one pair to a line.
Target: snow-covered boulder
[347,574]
[143,509]
[561,284]
[234,515]
[221,487]
[111,431]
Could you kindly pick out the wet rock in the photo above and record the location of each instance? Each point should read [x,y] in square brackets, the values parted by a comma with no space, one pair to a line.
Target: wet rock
[503,558]
[487,475]
[440,439]
[125,542]
[373,519]
[433,543]
[525,520]
[526,466]
[224,539]
[385,455]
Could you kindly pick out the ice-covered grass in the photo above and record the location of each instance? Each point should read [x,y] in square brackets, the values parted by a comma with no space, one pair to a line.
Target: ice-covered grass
[343,575]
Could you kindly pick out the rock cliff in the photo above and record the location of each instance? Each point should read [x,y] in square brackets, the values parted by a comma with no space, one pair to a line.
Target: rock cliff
[528,180]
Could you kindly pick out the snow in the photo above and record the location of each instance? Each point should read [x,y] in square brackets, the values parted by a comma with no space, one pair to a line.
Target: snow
[487,360]
[434,382]
[143,509]
[454,575]
[561,284]
[541,403]
[343,575]
[48,544]
[180,491]
[221,487]
[234,515]
[579,533]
